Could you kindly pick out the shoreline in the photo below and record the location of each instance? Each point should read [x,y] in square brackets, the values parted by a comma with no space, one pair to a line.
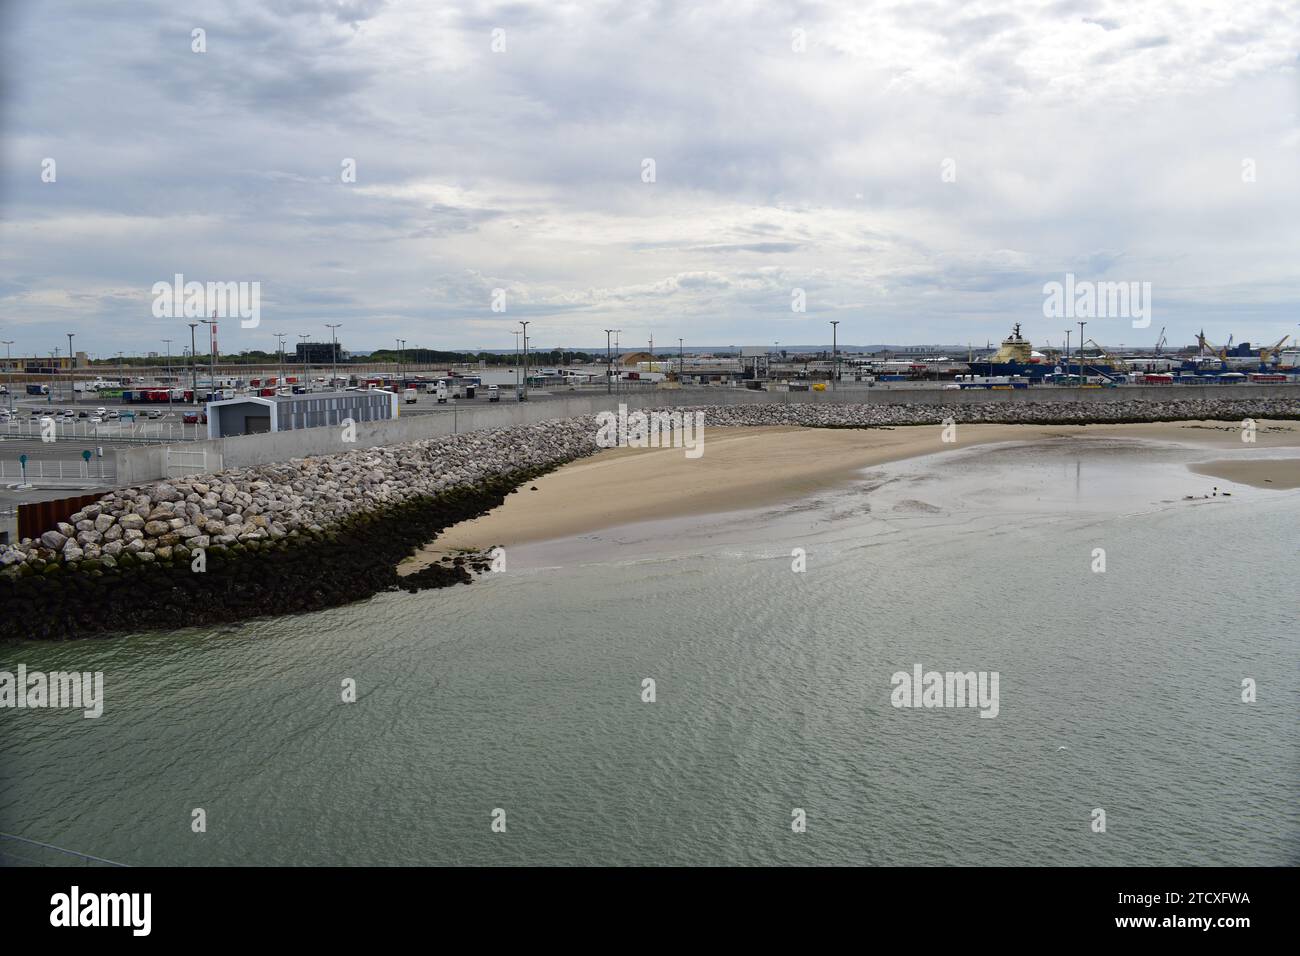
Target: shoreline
[307,533]
[624,486]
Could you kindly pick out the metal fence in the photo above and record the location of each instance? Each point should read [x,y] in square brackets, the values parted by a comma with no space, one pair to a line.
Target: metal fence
[57,469]
[146,431]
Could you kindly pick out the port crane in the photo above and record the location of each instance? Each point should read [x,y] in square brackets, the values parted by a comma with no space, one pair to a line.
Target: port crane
[1104,359]
[1161,342]
[1269,353]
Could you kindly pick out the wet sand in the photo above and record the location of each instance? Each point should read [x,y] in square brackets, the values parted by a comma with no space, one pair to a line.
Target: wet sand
[754,467]
[1279,473]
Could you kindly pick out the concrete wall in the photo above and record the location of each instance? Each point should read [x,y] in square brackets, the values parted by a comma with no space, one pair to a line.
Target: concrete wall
[152,462]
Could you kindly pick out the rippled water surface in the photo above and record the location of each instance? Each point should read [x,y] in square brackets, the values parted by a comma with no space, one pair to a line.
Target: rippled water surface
[1119,690]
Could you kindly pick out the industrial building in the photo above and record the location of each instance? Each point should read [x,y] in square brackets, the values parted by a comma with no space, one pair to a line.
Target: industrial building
[252,415]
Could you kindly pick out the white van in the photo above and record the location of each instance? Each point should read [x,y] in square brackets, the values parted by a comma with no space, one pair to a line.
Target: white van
[409,396]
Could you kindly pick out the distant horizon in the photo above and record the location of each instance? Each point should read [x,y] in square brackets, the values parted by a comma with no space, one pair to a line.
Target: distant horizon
[441,177]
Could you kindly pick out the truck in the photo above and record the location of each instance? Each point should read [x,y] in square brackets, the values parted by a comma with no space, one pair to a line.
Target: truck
[441,392]
[38,390]
[410,397]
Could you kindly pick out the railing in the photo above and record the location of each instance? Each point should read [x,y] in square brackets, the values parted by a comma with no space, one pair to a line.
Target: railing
[58,469]
[146,431]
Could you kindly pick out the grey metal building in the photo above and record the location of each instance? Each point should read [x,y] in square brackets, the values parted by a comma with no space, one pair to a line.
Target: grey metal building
[253,414]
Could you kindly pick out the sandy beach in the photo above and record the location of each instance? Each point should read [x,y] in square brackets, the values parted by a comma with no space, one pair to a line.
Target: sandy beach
[754,467]
[1280,473]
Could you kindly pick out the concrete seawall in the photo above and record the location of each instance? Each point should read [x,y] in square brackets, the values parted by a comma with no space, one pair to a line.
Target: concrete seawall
[158,461]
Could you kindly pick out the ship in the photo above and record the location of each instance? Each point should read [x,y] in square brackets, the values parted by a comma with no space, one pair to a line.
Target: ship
[1017,358]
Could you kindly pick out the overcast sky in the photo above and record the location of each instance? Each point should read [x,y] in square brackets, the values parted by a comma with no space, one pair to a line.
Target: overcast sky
[1105,139]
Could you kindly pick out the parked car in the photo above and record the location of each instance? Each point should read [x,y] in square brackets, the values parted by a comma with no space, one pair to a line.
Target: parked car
[101,411]
[83,414]
[153,413]
[494,394]
[195,418]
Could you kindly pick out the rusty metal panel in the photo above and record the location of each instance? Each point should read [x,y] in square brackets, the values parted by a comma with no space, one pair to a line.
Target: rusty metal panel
[37,517]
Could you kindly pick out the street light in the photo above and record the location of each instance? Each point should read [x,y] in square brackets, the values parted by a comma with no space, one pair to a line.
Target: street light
[525,325]
[194,375]
[835,353]
[334,353]
[72,364]
[9,369]
[1081,325]
[169,373]
[212,352]
[681,361]
[516,333]
[279,344]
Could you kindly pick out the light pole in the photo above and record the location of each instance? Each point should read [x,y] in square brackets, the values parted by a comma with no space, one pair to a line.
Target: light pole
[334,353]
[835,353]
[9,369]
[609,364]
[53,374]
[516,334]
[169,373]
[525,325]
[212,361]
[306,365]
[72,364]
[681,361]
[194,375]
[1081,325]
[279,345]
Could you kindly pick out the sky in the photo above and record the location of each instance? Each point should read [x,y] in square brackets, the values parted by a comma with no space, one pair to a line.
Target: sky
[915,171]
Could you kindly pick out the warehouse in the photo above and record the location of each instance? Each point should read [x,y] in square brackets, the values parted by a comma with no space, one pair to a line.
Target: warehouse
[251,415]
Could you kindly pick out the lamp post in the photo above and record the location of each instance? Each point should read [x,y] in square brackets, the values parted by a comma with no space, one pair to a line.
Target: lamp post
[681,361]
[306,355]
[516,333]
[53,375]
[194,375]
[334,353]
[169,373]
[212,362]
[72,364]
[1081,325]
[525,325]
[279,345]
[609,364]
[9,368]
[835,353]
